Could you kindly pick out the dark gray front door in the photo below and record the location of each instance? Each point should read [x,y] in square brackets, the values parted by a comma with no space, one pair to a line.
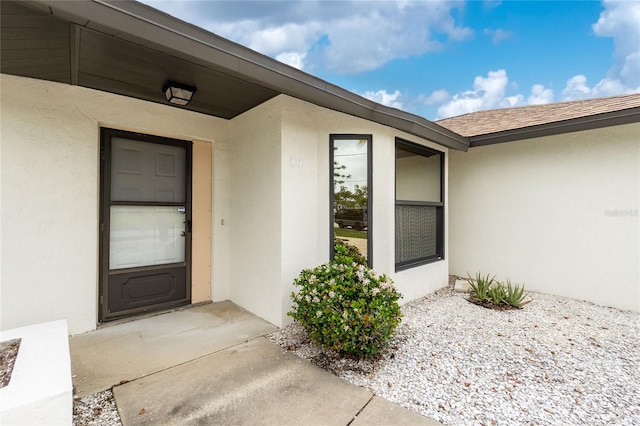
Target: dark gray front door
[145,225]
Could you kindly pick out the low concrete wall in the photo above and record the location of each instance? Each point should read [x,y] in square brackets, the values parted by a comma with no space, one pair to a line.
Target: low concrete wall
[40,391]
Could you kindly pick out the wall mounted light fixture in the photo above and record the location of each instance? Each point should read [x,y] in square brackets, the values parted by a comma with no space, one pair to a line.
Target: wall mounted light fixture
[178,93]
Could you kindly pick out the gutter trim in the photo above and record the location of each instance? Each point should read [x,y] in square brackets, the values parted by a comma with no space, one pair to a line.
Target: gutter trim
[607,119]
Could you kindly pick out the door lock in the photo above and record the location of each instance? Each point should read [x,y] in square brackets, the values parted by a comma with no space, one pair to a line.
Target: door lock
[187,226]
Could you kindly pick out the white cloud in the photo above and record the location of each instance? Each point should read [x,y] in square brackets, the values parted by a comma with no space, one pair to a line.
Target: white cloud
[287,40]
[437,97]
[577,88]
[490,93]
[487,93]
[609,87]
[491,4]
[619,20]
[460,33]
[371,37]
[294,59]
[497,35]
[631,69]
[540,95]
[343,37]
[512,101]
[385,98]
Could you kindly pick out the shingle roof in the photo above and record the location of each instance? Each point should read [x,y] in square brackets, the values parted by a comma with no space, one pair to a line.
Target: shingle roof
[500,120]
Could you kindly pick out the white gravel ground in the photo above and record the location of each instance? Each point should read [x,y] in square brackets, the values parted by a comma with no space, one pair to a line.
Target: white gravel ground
[98,409]
[555,361]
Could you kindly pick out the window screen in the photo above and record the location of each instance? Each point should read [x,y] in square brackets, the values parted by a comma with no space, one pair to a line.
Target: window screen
[419,205]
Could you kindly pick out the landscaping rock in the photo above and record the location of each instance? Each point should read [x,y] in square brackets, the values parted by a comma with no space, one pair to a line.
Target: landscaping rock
[555,361]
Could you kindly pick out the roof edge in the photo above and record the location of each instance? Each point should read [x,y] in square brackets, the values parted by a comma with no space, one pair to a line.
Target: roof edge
[607,119]
[274,74]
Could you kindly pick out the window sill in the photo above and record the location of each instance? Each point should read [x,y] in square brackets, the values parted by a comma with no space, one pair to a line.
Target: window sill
[404,267]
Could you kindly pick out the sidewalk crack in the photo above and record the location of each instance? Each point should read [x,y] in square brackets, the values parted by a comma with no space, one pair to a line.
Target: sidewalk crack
[362,409]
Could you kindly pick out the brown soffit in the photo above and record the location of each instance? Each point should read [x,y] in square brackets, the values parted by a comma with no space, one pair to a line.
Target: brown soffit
[148,27]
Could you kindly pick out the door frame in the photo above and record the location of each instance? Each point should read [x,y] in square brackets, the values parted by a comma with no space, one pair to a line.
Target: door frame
[104,221]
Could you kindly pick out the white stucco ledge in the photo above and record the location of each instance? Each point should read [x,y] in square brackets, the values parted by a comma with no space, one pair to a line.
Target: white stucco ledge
[462,286]
[40,390]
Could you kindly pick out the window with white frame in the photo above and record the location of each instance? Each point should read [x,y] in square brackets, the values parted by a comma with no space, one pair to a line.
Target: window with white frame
[419,205]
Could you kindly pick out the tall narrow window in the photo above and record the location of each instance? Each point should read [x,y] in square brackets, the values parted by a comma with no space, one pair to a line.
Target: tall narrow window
[350,198]
[419,205]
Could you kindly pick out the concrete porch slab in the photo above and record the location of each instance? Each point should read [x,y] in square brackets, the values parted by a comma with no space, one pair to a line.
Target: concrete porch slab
[103,358]
[380,412]
[252,383]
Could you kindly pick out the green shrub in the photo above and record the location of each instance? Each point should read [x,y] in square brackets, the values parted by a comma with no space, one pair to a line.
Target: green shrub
[345,249]
[347,306]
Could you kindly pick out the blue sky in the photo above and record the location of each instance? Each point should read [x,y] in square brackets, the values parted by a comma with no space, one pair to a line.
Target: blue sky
[441,58]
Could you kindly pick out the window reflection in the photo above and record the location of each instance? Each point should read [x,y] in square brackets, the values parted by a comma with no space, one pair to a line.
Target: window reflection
[351,192]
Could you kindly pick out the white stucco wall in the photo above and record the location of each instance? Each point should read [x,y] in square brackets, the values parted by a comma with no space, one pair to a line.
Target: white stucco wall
[270,215]
[542,212]
[278,215]
[305,197]
[50,184]
[254,213]
[221,274]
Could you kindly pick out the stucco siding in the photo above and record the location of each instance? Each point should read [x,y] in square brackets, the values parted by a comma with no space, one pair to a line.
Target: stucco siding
[50,143]
[305,197]
[255,211]
[304,182]
[221,273]
[543,212]
[269,201]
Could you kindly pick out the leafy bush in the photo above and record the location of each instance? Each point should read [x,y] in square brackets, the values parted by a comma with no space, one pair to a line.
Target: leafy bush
[349,250]
[488,292]
[347,306]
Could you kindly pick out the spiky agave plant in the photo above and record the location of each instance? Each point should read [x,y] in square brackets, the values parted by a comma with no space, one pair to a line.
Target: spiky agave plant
[481,286]
[514,294]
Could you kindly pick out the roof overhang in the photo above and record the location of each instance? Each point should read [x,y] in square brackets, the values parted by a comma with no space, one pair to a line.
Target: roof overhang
[131,49]
[614,118]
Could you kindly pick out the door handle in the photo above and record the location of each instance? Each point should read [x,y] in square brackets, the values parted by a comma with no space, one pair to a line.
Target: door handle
[187,226]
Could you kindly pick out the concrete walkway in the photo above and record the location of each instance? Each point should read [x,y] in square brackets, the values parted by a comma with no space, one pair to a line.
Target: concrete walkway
[211,365]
